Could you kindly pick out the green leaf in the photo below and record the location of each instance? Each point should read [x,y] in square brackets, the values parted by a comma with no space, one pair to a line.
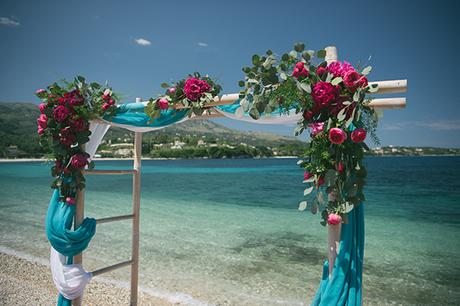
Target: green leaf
[165,85]
[285,57]
[331,177]
[366,70]
[308,191]
[269,52]
[283,76]
[336,81]
[299,47]
[314,208]
[306,56]
[303,205]
[356,96]
[342,114]
[306,87]
[255,59]
[293,54]
[373,88]
[241,83]
[254,113]
[321,54]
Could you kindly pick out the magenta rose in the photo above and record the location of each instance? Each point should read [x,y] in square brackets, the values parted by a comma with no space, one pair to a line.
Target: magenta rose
[316,128]
[334,219]
[79,161]
[339,69]
[67,137]
[323,93]
[358,135]
[300,70]
[307,175]
[320,71]
[106,106]
[70,201]
[163,104]
[320,182]
[42,123]
[194,88]
[340,167]
[337,136]
[60,113]
[308,114]
[78,124]
[74,98]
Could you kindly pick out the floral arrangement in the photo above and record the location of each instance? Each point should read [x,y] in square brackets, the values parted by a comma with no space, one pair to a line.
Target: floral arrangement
[65,113]
[335,109]
[195,93]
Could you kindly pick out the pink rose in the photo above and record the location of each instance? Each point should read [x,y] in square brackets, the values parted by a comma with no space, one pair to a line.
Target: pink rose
[308,114]
[194,88]
[39,91]
[316,128]
[172,90]
[42,107]
[354,80]
[79,161]
[323,93]
[300,70]
[106,106]
[337,136]
[42,123]
[320,71]
[334,219]
[70,201]
[60,113]
[358,135]
[339,69]
[307,175]
[163,103]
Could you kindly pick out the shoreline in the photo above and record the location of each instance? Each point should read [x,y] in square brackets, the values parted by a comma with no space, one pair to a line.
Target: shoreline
[25,160]
[25,279]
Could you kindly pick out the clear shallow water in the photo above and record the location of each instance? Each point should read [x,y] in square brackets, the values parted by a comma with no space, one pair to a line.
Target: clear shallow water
[228,231]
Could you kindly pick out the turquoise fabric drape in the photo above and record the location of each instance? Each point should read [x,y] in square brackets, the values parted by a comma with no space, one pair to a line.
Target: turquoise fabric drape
[133,114]
[68,242]
[344,287]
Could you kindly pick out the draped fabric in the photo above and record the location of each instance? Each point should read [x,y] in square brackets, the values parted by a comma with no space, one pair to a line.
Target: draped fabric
[344,286]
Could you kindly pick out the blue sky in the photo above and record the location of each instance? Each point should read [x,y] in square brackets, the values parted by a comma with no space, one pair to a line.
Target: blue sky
[136,45]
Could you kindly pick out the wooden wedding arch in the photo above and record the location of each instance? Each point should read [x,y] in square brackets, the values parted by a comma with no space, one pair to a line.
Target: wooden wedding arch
[384,87]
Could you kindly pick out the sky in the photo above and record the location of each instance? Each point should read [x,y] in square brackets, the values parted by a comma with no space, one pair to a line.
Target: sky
[137,45]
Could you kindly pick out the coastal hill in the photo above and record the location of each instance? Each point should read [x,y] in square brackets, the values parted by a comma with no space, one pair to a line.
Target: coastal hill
[193,138]
[190,139]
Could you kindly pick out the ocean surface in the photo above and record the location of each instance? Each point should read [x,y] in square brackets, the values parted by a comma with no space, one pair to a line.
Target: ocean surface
[228,232]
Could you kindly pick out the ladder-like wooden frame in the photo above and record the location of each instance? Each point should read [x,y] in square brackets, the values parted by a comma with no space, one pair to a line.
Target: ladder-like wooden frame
[385,87]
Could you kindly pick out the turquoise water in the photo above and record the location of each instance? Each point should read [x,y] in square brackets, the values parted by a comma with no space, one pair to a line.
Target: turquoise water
[228,232]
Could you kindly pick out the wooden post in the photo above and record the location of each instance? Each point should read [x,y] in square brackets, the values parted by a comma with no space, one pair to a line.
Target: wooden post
[79,215]
[136,211]
[333,231]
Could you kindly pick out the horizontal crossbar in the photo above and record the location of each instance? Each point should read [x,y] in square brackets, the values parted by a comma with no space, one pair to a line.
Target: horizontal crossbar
[116,218]
[113,267]
[111,172]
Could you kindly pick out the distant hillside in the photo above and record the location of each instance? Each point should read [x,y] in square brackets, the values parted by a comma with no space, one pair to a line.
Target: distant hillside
[18,135]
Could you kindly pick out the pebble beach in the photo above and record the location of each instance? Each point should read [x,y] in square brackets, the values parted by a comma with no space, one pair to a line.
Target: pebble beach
[25,282]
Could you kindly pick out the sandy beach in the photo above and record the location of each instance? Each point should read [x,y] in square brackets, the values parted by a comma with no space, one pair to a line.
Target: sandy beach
[25,282]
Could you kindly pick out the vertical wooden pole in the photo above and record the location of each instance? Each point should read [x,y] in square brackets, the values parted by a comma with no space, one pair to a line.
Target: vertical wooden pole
[79,215]
[136,211]
[333,231]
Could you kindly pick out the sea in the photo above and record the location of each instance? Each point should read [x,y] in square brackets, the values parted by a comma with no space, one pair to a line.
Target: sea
[229,232]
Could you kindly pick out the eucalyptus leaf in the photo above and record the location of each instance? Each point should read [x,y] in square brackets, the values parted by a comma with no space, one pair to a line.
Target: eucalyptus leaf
[299,47]
[293,54]
[306,87]
[336,81]
[331,177]
[366,70]
[321,53]
[303,205]
[341,115]
[314,207]
[307,191]
[356,96]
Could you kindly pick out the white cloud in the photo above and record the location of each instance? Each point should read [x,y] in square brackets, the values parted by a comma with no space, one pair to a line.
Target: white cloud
[202,44]
[143,42]
[440,125]
[9,22]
